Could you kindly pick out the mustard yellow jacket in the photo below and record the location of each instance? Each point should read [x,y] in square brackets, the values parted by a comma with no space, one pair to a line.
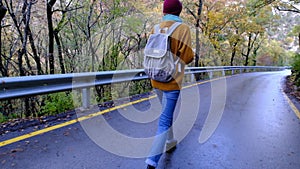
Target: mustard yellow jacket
[181,47]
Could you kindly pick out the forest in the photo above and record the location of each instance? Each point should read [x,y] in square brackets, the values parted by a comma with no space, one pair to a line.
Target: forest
[39,37]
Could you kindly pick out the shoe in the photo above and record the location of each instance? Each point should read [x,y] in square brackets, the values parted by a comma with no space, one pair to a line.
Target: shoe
[171,145]
[150,167]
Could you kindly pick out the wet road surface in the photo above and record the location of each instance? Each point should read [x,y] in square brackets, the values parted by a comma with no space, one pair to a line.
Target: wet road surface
[241,122]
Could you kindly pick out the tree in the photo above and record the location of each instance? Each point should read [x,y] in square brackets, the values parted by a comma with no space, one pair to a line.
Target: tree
[23,30]
[197,18]
[236,29]
[296,32]
[65,8]
[3,12]
[272,54]
[252,38]
[50,5]
[281,5]
[289,6]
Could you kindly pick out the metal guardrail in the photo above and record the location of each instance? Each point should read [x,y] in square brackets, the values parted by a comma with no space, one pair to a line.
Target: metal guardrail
[18,87]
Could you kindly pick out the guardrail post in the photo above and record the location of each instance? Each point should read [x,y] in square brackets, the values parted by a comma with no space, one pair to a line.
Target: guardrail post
[211,75]
[241,70]
[86,97]
[232,72]
[192,77]
[223,73]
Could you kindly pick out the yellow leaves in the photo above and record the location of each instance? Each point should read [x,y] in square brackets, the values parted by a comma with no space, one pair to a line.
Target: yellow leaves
[216,18]
[214,23]
[289,41]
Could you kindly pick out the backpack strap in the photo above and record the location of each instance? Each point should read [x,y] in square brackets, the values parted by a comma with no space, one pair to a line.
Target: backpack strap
[172,28]
[157,28]
[168,31]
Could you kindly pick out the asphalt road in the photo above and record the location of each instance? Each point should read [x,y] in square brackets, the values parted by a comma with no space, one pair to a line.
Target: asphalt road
[241,122]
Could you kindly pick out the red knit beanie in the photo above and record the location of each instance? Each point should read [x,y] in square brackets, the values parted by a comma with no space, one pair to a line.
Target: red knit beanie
[172,7]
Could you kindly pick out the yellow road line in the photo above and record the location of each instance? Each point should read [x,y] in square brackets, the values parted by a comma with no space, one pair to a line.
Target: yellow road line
[42,131]
[16,139]
[199,83]
[292,105]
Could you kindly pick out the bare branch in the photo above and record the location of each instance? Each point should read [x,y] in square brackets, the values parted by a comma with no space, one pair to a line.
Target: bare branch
[294,9]
[191,12]
[67,9]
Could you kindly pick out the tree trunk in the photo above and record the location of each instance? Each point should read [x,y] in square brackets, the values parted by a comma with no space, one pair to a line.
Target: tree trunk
[198,33]
[58,41]
[233,53]
[21,36]
[60,57]
[35,55]
[197,25]
[23,50]
[248,50]
[50,5]
[56,31]
[32,45]
[250,46]
[3,11]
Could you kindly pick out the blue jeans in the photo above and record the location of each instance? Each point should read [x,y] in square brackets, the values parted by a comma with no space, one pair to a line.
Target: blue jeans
[168,100]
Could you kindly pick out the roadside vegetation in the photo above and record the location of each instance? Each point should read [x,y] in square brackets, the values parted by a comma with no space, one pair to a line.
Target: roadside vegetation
[295,77]
[71,36]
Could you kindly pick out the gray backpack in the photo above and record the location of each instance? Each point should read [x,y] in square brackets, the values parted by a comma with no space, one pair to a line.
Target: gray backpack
[159,62]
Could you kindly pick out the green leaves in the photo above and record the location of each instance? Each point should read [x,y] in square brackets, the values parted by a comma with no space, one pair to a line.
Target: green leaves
[296,69]
[57,103]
